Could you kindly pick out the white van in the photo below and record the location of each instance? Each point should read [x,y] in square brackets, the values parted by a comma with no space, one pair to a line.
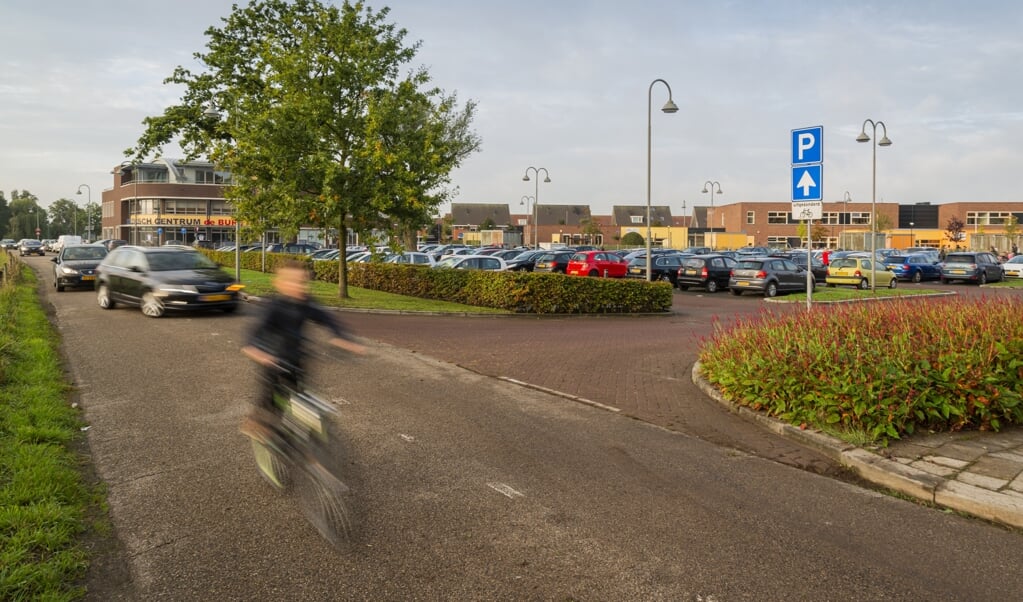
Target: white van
[66,239]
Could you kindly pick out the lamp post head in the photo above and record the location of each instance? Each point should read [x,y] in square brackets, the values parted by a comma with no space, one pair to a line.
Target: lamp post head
[525,178]
[884,141]
[547,179]
[79,192]
[670,107]
[704,191]
[863,137]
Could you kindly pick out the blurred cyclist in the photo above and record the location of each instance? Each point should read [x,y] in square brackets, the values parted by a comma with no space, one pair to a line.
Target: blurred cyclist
[278,344]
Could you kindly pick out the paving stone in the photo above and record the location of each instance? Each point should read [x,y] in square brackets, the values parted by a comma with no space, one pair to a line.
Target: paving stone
[991,483]
[968,451]
[1012,455]
[949,462]
[935,469]
[998,468]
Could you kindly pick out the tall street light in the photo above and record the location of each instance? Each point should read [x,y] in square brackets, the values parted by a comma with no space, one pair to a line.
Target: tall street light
[710,216]
[912,242]
[669,107]
[884,141]
[536,193]
[526,200]
[88,204]
[845,201]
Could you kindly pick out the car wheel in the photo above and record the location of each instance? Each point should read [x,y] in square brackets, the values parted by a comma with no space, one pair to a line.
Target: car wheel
[151,306]
[594,273]
[942,280]
[917,276]
[683,287]
[983,278]
[735,291]
[894,282]
[771,290]
[103,297]
[57,285]
[864,285]
[230,309]
[829,285]
[712,286]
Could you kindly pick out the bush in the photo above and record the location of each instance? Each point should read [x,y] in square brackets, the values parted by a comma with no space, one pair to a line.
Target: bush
[880,369]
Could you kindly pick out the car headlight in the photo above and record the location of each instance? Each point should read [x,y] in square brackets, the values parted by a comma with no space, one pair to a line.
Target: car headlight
[67,270]
[178,288]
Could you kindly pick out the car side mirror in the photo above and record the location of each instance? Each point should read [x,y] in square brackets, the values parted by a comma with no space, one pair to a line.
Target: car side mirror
[54,260]
[136,269]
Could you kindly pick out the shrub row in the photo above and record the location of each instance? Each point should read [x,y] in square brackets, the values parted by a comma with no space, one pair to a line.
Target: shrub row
[880,369]
[520,292]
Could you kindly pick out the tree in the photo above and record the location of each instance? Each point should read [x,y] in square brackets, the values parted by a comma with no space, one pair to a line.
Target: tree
[314,121]
[1011,229]
[820,232]
[488,224]
[65,217]
[633,239]
[954,229]
[883,222]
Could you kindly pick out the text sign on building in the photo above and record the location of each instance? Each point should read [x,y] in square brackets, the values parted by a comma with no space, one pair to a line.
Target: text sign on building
[808,173]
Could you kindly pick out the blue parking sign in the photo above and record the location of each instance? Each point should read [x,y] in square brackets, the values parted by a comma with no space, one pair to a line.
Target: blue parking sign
[808,145]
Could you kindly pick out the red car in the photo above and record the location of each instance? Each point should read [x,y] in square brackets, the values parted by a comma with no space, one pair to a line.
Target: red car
[596,263]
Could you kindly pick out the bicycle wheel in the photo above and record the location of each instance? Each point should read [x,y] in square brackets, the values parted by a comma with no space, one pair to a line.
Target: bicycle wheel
[271,466]
[321,498]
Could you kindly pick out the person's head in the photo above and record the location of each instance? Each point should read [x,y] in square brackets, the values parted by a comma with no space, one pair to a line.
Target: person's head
[292,279]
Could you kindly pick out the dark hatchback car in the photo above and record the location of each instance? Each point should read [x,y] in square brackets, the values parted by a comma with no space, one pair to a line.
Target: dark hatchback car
[768,276]
[553,261]
[160,279]
[30,246]
[663,266]
[75,266]
[707,271]
[524,261]
[981,267]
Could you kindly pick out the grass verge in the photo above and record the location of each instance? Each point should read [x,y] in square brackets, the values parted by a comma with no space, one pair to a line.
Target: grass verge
[44,503]
[261,285]
[848,293]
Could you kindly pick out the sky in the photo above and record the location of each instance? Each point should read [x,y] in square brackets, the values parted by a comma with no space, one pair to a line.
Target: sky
[567,85]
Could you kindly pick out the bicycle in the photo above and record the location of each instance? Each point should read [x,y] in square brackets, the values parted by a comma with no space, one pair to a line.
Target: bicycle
[295,455]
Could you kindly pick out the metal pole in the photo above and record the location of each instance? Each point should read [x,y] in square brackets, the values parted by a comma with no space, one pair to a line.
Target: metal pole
[669,107]
[863,137]
[536,197]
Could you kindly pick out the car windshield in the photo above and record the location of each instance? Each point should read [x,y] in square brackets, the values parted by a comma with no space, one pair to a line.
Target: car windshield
[161,262]
[76,253]
[1016,259]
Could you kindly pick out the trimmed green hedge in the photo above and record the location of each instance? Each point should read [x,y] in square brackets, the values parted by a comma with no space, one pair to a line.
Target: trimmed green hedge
[520,292]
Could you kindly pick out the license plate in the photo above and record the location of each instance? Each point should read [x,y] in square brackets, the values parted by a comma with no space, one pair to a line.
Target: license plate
[215,298]
[742,283]
[958,271]
[88,277]
[542,266]
[636,270]
[691,272]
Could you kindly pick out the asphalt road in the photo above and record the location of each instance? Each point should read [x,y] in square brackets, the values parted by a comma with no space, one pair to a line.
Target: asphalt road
[470,487]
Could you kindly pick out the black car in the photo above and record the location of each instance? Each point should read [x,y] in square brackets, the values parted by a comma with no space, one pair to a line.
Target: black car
[159,279]
[707,271]
[524,261]
[820,271]
[75,266]
[553,261]
[30,246]
[663,266]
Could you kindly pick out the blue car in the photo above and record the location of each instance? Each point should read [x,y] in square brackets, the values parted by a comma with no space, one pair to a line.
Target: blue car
[915,267]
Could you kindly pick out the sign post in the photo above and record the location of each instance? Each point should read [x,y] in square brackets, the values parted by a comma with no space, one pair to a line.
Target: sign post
[808,188]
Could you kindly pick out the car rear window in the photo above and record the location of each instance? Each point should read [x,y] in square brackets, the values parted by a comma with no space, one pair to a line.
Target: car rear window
[748,264]
[693,262]
[844,263]
[579,257]
[896,259]
[960,258]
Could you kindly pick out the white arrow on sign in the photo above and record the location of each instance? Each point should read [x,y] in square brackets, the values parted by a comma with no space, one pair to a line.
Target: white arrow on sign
[806,183]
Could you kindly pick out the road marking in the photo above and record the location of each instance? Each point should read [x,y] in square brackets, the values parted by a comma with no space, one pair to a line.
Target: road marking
[408,438]
[590,402]
[505,490]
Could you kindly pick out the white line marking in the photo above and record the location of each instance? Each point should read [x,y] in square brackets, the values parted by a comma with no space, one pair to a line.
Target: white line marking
[505,490]
[408,438]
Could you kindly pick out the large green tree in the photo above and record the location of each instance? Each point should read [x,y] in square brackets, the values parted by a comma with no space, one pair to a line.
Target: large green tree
[307,105]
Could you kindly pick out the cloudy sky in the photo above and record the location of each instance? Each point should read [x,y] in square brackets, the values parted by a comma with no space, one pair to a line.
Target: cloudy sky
[565,85]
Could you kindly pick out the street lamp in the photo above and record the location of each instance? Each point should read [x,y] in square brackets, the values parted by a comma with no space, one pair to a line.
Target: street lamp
[30,212]
[710,216]
[845,201]
[884,141]
[912,243]
[536,194]
[526,200]
[669,107]
[88,204]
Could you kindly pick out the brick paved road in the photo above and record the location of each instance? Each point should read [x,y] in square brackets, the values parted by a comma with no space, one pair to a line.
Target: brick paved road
[638,364]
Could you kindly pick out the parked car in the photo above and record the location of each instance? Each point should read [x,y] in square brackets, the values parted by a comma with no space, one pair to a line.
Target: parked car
[596,263]
[161,279]
[292,248]
[48,244]
[817,267]
[8,244]
[663,266]
[1014,267]
[706,271]
[472,262]
[857,271]
[75,266]
[980,267]
[768,276]
[325,254]
[30,246]
[524,261]
[916,267]
[412,258]
[553,261]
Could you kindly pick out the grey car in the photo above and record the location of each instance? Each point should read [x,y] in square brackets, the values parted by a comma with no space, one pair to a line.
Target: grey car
[30,246]
[768,276]
[980,267]
[75,266]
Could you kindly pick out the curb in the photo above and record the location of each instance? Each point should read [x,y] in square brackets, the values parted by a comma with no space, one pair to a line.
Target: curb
[881,471]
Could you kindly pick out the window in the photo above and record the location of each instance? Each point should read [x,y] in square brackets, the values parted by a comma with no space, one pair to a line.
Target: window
[778,217]
[184,206]
[751,217]
[830,218]
[221,208]
[204,176]
[987,218]
[636,219]
[859,218]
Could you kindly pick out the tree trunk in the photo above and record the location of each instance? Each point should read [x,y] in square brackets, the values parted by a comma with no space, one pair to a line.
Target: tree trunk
[342,268]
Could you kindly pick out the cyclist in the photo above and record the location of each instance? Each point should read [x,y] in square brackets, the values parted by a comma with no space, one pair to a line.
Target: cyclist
[277,343]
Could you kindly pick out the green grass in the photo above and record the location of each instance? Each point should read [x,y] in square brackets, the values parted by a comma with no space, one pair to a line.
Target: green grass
[44,503]
[1011,283]
[848,293]
[261,285]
